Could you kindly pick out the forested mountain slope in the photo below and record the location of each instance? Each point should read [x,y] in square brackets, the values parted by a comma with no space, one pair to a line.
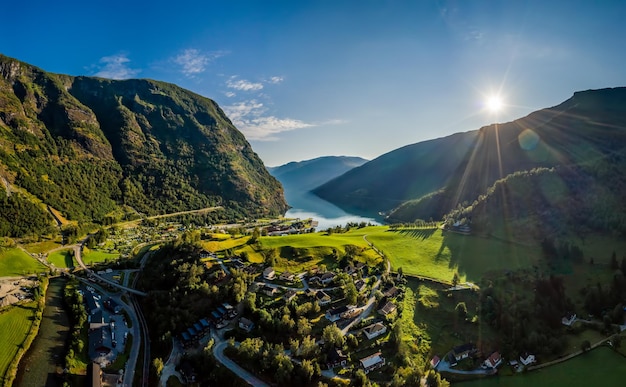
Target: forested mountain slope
[589,126]
[86,145]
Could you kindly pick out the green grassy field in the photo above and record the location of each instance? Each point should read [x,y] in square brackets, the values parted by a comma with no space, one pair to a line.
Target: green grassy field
[62,258]
[599,367]
[432,253]
[95,256]
[434,313]
[15,262]
[14,326]
[42,247]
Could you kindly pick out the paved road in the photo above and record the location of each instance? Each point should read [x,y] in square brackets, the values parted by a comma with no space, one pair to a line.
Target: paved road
[78,255]
[218,352]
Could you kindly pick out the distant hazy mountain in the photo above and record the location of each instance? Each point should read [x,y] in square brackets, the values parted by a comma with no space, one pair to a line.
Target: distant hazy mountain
[431,178]
[87,146]
[305,175]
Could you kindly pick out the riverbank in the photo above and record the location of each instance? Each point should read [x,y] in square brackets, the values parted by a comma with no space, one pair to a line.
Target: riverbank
[11,370]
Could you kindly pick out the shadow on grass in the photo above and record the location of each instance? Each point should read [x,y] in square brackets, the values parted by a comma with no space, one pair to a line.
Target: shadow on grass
[417,233]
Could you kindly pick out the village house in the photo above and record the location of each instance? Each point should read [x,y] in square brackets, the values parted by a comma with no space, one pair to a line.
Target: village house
[391,292]
[287,276]
[327,278]
[360,286]
[337,313]
[493,360]
[322,298]
[569,319]
[527,359]
[268,290]
[463,351]
[336,358]
[372,362]
[269,273]
[207,254]
[434,362]
[374,330]
[246,324]
[387,309]
[290,295]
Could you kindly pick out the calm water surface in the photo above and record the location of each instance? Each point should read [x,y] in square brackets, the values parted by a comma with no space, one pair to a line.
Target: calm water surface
[44,359]
[306,205]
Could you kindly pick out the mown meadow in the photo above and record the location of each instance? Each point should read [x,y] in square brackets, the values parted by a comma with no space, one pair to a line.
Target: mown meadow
[15,323]
[15,262]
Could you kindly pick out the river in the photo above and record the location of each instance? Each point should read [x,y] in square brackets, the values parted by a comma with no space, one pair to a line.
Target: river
[44,359]
[306,205]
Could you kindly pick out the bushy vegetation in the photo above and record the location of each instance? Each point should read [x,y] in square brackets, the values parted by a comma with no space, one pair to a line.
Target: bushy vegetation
[77,357]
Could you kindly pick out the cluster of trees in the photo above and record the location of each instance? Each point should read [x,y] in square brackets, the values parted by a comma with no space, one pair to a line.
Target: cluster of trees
[608,300]
[347,227]
[78,318]
[526,321]
[270,360]
[19,217]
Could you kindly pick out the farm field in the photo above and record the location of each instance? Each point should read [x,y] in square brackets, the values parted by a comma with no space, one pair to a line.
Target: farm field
[15,262]
[433,253]
[42,247]
[598,367]
[62,258]
[14,326]
[95,256]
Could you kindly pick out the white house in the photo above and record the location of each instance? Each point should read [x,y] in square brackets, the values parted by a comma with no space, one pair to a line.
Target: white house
[372,362]
[527,359]
[374,330]
[569,319]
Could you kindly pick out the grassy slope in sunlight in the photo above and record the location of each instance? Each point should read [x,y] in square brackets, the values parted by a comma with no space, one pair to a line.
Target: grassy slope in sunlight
[15,262]
[433,253]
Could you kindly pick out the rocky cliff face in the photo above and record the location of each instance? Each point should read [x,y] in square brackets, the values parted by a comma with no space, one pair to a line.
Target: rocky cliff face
[87,145]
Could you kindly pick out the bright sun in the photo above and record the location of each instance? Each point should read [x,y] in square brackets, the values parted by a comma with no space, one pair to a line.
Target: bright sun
[494,104]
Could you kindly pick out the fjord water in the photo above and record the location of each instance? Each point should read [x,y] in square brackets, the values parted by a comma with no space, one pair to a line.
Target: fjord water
[43,362]
[306,205]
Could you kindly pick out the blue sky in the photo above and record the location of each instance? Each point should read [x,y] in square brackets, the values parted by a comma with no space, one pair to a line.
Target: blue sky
[303,79]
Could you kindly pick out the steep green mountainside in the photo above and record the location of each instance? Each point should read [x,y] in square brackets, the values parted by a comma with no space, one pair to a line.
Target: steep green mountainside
[586,127]
[397,176]
[87,145]
[305,175]
[553,202]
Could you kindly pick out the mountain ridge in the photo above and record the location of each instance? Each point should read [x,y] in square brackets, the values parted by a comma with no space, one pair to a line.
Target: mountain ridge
[147,144]
[588,125]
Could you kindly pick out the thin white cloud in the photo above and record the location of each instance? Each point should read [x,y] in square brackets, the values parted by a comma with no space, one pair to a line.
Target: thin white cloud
[193,61]
[229,94]
[276,80]
[116,67]
[243,85]
[250,118]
